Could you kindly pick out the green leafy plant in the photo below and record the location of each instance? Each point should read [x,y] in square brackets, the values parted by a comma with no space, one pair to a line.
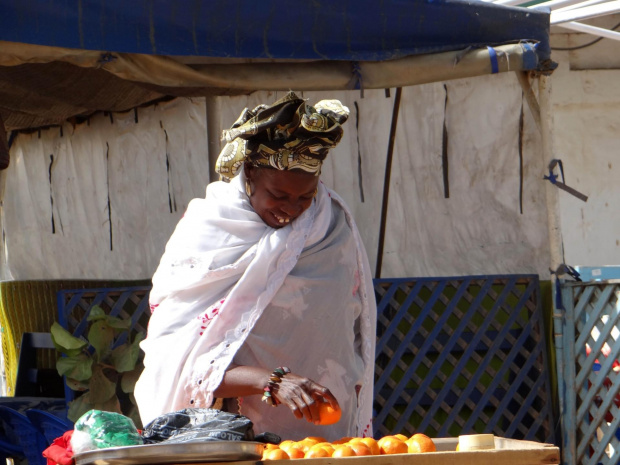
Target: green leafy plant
[102,374]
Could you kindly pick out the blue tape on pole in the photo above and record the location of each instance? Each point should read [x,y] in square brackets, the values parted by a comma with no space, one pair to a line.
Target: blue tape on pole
[357,76]
[493,57]
[530,58]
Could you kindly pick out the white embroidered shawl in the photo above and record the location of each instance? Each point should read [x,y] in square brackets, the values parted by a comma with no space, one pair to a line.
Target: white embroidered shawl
[222,267]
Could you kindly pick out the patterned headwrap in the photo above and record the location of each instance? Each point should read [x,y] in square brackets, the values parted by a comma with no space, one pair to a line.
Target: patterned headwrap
[286,135]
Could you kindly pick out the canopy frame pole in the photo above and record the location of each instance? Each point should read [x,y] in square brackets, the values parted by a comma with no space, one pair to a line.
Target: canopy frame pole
[386,182]
[592,30]
[524,80]
[555,248]
[576,14]
[551,192]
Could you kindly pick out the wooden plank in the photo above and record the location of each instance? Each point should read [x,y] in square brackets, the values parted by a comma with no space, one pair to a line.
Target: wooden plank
[507,452]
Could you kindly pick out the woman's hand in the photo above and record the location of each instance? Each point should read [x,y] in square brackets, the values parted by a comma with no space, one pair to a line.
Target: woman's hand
[302,396]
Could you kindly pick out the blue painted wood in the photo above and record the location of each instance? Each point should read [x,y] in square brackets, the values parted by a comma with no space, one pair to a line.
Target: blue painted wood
[383,304]
[505,369]
[431,339]
[591,417]
[419,357]
[398,354]
[474,343]
[485,361]
[513,401]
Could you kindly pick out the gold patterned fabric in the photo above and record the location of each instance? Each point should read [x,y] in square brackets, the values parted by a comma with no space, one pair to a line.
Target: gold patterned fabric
[288,134]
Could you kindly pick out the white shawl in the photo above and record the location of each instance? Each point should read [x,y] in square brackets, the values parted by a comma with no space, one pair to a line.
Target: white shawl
[222,267]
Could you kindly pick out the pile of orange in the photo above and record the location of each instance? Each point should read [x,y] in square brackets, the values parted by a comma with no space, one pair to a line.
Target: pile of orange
[318,447]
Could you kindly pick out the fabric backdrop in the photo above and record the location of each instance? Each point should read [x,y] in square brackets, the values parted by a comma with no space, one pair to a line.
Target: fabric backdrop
[99,200]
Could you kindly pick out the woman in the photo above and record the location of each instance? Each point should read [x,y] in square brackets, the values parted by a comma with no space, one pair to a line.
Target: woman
[264,276]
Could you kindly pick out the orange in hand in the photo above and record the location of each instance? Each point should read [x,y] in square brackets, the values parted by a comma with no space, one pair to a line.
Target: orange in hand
[419,443]
[328,414]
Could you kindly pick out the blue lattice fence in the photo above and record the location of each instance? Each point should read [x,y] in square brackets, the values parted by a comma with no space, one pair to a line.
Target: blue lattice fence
[462,355]
[454,355]
[588,354]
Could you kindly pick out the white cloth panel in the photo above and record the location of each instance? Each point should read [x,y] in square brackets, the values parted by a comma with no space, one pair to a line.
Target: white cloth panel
[478,230]
[147,170]
[587,121]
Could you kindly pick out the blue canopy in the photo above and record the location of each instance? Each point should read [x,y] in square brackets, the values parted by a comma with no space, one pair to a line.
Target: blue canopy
[364,30]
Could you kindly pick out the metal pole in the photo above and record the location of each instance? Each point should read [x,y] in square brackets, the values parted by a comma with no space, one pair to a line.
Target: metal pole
[592,30]
[386,182]
[555,252]
[576,14]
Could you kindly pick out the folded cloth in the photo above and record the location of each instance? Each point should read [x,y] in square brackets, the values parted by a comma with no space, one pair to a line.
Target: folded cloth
[60,451]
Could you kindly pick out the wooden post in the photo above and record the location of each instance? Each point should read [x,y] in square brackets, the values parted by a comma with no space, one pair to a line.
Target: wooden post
[524,80]
[551,192]
[556,258]
[386,181]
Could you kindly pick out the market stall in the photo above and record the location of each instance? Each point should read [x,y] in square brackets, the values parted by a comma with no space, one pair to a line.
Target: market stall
[118,56]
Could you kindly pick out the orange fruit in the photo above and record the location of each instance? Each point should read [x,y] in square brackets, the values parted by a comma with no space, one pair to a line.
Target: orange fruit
[275,454]
[373,445]
[316,453]
[328,415]
[271,446]
[324,445]
[419,443]
[317,438]
[286,443]
[365,443]
[342,440]
[402,437]
[293,451]
[343,451]
[359,448]
[306,444]
[392,445]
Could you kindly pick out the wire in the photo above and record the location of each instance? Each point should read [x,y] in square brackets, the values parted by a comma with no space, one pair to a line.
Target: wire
[584,45]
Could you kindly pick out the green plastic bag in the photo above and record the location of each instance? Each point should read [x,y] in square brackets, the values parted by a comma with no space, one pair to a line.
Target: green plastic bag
[97,429]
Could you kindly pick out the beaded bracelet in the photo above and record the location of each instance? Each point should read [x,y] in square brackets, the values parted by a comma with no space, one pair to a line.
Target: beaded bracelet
[274,379]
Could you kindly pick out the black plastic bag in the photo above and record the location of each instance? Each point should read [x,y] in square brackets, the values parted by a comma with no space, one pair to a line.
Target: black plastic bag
[198,425]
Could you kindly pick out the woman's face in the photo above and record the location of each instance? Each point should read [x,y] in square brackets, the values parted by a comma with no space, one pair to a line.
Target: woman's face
[279,197]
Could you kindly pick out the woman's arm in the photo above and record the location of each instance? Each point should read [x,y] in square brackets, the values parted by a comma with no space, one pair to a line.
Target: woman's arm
[299,394]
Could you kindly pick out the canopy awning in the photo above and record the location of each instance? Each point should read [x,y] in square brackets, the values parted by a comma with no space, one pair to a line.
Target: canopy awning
[362,30]
[62,59]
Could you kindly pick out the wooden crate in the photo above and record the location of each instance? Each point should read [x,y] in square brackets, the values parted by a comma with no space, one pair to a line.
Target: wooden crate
[506,452]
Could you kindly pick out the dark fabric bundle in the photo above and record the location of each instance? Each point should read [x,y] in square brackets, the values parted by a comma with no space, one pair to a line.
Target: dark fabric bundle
[196,424]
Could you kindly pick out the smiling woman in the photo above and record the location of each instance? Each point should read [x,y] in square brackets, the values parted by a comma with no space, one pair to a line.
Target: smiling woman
[264,294]
[279,197]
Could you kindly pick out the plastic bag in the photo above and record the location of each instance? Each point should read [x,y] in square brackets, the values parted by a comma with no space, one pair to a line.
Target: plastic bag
[97,429]
[198,425]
